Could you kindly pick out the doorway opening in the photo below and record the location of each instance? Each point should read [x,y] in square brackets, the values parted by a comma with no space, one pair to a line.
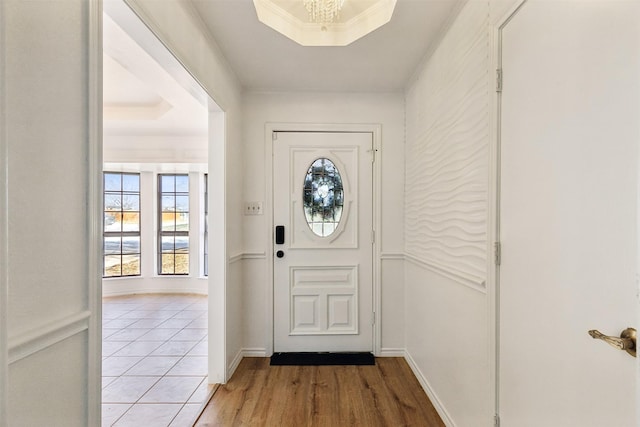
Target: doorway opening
[160,250]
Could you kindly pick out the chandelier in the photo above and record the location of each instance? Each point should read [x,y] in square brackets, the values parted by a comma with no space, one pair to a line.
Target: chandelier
[323,11]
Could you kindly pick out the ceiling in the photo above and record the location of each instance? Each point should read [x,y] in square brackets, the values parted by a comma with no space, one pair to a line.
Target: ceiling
[382,61]
[140,97]
[143,101]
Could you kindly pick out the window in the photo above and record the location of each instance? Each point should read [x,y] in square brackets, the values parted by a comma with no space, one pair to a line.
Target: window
[323,197]
[121,224]
[173,233]
[206,225]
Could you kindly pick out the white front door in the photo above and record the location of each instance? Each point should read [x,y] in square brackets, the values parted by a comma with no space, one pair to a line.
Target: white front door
[322,210]
[569,171]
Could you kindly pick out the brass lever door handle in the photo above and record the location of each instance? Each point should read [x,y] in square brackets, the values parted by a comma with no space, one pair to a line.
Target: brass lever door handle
[627,340]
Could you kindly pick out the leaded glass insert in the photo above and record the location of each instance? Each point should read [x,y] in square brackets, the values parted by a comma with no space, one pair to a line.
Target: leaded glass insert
[323,197]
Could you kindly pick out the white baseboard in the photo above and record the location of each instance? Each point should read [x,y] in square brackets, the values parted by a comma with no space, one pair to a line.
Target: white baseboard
[392,352]
[255,352]
[140,291]
[234,364]
[446,418]
[242,353]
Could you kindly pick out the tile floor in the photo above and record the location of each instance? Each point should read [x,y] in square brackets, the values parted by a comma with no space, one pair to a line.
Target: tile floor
[154,360]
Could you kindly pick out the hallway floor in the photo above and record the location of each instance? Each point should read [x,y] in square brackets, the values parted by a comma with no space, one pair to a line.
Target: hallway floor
[383,395]
[154,366]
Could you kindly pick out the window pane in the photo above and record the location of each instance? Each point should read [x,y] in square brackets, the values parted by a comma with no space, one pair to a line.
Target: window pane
[112,245]
[168,203]
[131,245]
[122,214]
[131,221]
[167,183]
[167,264]
[182,203]
[112,182]
[112,202]
[173,205]
[131,265]
[131,183]
[112,221]
[182,264]
[323,197]
[168,244]
[168,221]
[182,183]
[329,228]
[182,221]
[182,244]
[130,202]
[112,265]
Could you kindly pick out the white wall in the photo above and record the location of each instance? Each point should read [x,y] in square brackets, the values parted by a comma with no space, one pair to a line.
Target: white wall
[450,122]
[322,108]
[51,161]
[155,149]
[49,310]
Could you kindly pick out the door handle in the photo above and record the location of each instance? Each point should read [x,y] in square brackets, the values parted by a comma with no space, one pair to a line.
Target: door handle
[627,340]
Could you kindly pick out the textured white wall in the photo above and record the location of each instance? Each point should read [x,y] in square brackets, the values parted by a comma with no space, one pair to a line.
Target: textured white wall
[447,152]
[51,155]
[323,108]
[449,121]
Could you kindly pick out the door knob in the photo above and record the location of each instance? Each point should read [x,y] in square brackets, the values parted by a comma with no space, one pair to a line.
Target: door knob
[627,340]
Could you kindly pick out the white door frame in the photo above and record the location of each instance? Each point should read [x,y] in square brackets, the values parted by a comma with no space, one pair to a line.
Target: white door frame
[376,132]
[218,260]
[493,208]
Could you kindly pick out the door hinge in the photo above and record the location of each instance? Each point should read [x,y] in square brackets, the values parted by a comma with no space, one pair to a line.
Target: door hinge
[496,420]
[373,236]
[373,154]
[274,136]
[499,80]
[373,318]
[497,253]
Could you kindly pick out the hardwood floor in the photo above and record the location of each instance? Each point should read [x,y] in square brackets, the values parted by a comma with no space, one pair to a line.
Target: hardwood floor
[387,394]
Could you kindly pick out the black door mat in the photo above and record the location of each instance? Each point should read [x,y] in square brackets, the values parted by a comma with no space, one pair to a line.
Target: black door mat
[315,359]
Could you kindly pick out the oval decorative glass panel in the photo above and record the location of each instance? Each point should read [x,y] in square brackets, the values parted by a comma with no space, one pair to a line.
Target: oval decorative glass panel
[323,197]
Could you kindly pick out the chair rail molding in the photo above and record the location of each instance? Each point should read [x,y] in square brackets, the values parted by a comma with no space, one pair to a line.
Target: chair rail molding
[37,339]
[474,282]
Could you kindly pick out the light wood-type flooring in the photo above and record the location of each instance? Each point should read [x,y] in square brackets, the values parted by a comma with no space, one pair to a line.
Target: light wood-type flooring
[387,394]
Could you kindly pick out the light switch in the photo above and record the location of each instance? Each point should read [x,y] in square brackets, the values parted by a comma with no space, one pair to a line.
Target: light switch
[253,208]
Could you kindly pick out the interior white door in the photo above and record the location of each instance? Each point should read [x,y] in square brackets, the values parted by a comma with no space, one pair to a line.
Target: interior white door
[569,170]
[323,279]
